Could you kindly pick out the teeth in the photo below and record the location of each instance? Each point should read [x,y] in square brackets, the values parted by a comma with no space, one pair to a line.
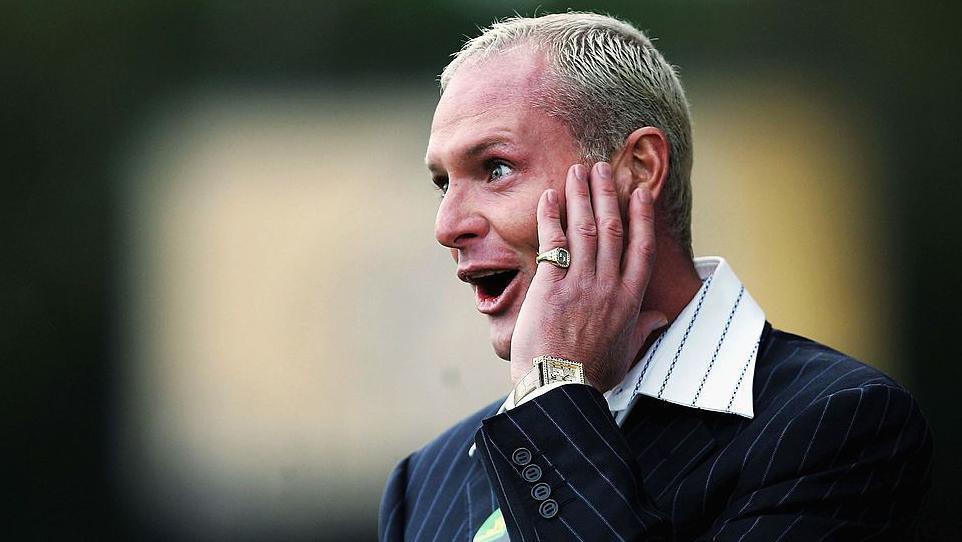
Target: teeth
[478,275]
[482,274]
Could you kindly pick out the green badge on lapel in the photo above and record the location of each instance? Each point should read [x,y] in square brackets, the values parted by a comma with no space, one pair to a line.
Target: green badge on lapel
[493,529]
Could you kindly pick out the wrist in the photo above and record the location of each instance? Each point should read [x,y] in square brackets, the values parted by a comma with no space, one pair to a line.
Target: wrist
[545,371]
[599,378]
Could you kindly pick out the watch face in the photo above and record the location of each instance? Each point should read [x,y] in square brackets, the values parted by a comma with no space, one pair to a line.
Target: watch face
[558,374]
[563,371]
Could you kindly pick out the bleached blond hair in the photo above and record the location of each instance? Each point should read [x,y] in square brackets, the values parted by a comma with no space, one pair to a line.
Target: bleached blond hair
[607,80]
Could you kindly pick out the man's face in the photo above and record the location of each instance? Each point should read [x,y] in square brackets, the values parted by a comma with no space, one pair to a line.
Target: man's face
[494,153]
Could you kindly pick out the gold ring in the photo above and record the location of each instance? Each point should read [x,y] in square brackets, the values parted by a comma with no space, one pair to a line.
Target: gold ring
[558,257]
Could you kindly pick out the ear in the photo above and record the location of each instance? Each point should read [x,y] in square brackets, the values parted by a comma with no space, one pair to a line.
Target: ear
[643,161]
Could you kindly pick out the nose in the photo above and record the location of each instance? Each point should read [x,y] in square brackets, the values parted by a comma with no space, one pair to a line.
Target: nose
[459,220]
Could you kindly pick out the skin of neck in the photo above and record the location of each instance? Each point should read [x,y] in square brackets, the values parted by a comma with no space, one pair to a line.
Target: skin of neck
[673,283]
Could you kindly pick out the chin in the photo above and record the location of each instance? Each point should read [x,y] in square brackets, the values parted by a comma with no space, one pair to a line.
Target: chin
[501,338]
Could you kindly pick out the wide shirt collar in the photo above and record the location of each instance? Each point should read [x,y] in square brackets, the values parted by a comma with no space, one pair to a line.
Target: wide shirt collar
[706,357]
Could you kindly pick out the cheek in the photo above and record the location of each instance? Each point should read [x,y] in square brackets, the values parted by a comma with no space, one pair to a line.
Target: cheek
[518,225]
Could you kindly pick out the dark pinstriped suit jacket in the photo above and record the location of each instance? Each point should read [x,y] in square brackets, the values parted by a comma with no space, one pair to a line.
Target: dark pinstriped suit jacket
[836,451]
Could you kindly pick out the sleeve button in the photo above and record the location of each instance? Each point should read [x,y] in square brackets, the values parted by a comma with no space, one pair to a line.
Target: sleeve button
[521,456]
[531,473]
[548,509]
[541,491]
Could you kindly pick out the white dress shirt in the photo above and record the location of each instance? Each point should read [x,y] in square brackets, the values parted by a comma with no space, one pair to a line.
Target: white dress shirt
[705,359]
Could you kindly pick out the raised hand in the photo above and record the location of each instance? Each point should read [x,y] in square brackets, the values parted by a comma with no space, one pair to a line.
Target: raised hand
[590,312]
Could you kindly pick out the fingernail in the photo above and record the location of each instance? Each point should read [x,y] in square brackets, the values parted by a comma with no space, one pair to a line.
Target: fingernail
[580,172]
[604,169]
[552,198]
[642,194]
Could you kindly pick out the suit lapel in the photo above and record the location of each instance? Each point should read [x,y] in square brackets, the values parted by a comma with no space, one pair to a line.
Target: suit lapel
[481,501]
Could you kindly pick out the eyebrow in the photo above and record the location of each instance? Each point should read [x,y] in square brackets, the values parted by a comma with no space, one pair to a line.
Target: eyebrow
[474,150]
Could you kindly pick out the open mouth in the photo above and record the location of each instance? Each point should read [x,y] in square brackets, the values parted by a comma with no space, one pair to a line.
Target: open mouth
[495,289]
[492,285]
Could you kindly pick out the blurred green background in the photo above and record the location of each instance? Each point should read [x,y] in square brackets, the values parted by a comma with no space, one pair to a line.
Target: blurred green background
[173,168]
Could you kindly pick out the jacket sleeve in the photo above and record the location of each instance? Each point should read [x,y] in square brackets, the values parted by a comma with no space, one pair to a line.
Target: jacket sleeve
[563,470]
[392,512]
[810,479]
[853,465]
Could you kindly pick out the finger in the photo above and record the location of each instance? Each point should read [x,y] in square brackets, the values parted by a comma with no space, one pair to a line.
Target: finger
[639,257]
[582,231]
[550,232]
[611,232]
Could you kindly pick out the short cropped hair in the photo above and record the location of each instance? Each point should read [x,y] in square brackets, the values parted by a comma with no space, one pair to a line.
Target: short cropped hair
[607,80]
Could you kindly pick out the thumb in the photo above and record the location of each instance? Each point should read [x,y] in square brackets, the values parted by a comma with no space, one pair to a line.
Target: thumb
[648,323]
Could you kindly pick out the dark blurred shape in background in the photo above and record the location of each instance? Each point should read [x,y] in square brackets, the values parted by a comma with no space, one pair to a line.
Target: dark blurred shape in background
[192,330]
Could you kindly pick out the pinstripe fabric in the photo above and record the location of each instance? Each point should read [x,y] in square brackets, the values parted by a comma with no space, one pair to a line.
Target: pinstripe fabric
[836,451]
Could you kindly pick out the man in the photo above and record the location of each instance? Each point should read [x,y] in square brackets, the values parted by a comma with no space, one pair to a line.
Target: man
[651,398]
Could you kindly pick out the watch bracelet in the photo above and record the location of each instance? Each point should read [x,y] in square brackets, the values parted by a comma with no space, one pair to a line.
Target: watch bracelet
[538,376]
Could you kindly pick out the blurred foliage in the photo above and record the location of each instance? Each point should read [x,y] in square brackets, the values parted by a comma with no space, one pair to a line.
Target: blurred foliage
[78,77]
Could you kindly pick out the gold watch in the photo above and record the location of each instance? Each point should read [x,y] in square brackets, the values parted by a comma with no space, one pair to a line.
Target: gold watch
[548,370]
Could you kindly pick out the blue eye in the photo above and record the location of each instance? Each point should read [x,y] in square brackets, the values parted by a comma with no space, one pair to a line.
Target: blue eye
[441,183]
[499,170]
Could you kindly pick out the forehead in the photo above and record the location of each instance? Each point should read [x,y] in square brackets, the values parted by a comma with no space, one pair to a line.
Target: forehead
[493,98]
